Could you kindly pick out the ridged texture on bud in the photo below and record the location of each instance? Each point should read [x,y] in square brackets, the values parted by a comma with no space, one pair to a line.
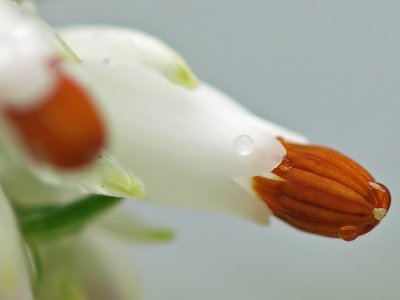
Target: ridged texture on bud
[322,191]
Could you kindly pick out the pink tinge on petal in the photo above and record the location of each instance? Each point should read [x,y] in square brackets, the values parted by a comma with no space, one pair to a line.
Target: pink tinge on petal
[65,129]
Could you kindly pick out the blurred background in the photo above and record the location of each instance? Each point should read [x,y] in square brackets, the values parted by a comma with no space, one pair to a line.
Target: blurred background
[328,69]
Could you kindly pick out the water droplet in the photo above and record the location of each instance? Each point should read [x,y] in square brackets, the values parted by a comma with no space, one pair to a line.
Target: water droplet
[381,197]
[348,233]
[379,213]
[244,145]
[286,164]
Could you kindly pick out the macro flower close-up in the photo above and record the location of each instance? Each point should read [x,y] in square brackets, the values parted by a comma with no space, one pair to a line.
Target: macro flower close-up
[124,174]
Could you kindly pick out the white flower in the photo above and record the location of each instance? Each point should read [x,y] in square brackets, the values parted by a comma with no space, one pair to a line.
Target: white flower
[191,144]
[187,145]
[81,118]
[194,146]
[51,130]
[45,234]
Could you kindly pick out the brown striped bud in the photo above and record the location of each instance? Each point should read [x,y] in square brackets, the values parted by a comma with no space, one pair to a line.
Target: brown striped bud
[322,191]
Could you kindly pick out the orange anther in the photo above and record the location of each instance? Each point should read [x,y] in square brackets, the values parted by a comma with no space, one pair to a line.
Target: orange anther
[65,129]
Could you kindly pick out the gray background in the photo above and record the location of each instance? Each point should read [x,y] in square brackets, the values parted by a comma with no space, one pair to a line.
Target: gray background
[328,69]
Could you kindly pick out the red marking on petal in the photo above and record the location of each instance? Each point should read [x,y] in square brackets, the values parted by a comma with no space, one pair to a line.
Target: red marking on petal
[65,129]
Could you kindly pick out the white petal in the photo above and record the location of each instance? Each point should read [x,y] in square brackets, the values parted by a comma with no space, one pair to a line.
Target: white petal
[24,187]
[123,223]
[89,266]
[14,277]
[27,5]
[110,44]
[25,74]
[31,184]
[107,176]
[183,143]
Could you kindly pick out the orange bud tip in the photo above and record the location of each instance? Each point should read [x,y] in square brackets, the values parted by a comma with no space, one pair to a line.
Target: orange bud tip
[64,129]
[323,192]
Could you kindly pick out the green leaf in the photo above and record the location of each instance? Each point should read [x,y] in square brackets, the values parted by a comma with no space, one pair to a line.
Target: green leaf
[50,222]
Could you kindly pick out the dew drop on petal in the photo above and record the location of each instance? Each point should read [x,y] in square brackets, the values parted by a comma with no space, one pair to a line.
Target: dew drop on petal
[379,213]
[244,145]
[348,233]
[382,199]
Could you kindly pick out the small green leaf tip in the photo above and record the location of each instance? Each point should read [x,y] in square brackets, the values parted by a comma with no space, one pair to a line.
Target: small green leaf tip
[124,45]
[182,75]
[160,235]
[117,180]
[51,222]
[144,235]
